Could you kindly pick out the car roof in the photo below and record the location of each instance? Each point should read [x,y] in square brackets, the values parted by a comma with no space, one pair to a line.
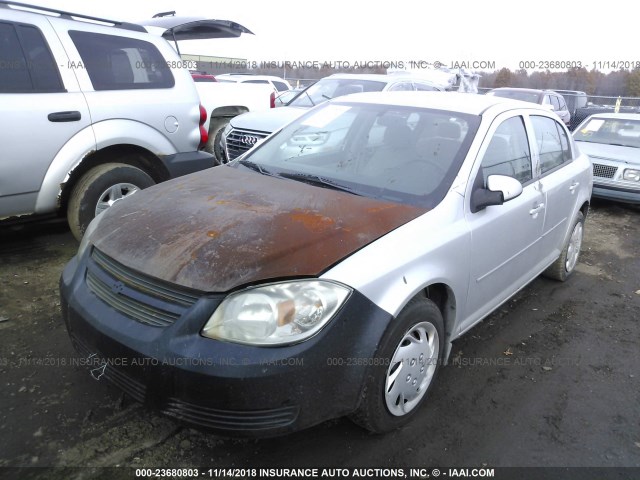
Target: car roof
[528,90]
[619,116]
[570,92]
[251,76]
[469,103]
[380,77]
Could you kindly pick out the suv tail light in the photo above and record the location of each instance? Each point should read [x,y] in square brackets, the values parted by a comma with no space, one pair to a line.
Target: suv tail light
[204,135]
[272,100]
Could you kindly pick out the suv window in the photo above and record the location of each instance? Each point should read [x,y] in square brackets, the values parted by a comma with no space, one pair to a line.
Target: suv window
[255,81]
[555,102]
[280,86]
[552,141]
[508,152]
[26,64]
[563,104]
[121,63]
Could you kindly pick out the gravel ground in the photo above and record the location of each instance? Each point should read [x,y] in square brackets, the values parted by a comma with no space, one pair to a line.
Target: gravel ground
[550,379]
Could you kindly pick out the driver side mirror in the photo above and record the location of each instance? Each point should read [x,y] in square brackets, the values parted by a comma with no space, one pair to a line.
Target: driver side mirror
[500,189]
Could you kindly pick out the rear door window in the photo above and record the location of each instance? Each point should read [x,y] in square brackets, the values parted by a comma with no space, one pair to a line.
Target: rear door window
[121,63]
[552,141]
[26,63]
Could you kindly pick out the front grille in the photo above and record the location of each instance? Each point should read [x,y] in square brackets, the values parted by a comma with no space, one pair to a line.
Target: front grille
[604,171]
[138,296]
[228,419]
[239,141]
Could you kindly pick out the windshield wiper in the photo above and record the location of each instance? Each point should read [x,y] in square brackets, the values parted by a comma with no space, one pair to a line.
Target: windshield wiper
[257,168]
[310,99]
[319,181]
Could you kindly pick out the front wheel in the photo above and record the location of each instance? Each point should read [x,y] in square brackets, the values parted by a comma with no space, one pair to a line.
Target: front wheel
[568,259]
[98,189]
[411,350]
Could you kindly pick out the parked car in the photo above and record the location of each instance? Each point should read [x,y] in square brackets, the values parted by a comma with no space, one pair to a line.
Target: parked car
[221,100]
[612,141]
[550,98]
[278,84]
[82,125]
[314,277]
[244,131]
[575,99]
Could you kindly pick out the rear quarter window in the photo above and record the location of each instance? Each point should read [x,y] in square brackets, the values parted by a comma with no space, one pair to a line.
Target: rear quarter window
[121,63]
[280,86]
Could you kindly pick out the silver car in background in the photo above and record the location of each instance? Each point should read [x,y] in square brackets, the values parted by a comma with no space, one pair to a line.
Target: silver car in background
[612,141]
[549,98]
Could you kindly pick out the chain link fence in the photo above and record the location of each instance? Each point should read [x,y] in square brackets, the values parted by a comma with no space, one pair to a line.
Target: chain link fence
[586,105]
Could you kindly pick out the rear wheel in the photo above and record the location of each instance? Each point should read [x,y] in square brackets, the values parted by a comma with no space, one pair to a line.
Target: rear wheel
[409,355]
[568,259]
[99,189]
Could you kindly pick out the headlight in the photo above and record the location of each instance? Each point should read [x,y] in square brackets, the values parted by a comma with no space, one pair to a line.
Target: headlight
[86,238]
[631,175]
[276,314]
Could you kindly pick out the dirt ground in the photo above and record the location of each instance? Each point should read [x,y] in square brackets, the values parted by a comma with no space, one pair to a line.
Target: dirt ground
[551,379]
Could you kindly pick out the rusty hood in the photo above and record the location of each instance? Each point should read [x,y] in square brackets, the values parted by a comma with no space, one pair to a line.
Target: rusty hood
[226,227]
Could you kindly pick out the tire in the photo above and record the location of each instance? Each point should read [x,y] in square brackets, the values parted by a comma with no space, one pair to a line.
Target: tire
[100,188]
[216,127]
[566,263]
[410,356]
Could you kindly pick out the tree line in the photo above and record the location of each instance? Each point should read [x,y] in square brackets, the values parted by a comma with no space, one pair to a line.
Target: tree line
[625,83]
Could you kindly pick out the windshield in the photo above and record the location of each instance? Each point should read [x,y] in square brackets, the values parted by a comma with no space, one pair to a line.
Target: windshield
[531,97]
[329,88]
[401,154]
[611,131]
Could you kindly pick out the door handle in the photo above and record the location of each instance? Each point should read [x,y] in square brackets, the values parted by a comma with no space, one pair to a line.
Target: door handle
[573,186]
[537,209]
[64,116]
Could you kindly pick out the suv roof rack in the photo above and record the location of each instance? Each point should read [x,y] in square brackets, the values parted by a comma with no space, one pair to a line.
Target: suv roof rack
[68,15]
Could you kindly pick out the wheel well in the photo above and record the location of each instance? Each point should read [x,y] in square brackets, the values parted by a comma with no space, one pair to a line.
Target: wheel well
[129,154]
[442,295]
[585,209]
[229,111]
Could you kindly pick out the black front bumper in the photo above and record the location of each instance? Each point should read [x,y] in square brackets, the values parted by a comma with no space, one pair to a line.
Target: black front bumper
[227,387]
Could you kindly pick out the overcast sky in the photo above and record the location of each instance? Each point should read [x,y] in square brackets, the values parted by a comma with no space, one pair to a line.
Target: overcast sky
[353,30]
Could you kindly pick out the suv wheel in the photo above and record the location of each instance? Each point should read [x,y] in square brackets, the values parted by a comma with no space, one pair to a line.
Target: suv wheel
[409,358]
[98,189]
